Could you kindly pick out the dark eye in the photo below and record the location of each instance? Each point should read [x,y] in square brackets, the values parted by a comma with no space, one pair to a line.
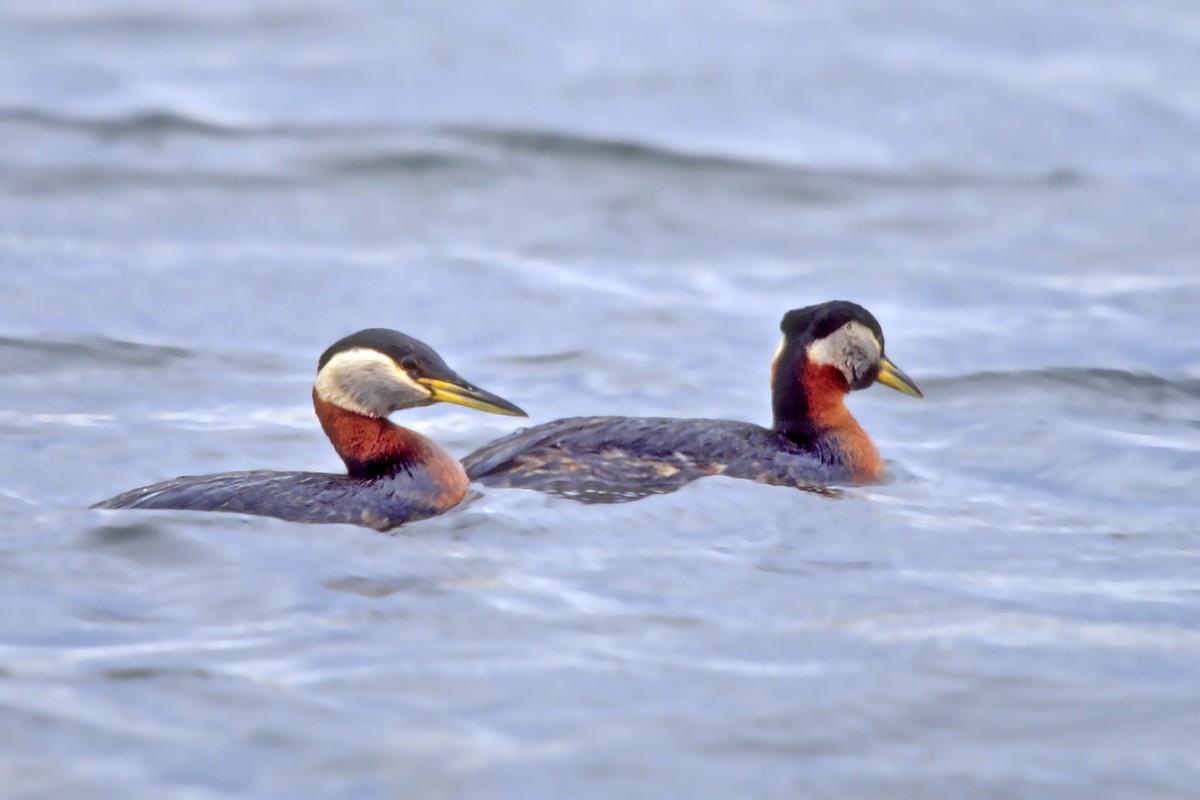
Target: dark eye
[410,363]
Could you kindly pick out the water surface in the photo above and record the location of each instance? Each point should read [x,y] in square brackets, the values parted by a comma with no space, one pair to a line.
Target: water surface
[590,209]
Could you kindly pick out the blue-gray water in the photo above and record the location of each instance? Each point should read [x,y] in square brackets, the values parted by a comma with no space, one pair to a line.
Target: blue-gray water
[604,208]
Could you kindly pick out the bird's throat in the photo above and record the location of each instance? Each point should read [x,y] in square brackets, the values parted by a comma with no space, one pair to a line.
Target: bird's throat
[373,447]
[812,412]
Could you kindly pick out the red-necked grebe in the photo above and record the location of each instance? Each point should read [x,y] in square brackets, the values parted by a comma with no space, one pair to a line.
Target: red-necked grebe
[828,350]
[394,475]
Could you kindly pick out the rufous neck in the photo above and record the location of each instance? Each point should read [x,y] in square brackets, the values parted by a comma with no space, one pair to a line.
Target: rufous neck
[812,409]
[372,447]
[794,395]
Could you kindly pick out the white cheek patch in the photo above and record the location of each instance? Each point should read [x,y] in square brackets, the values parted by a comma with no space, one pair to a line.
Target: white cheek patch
[369,383]
[852,348]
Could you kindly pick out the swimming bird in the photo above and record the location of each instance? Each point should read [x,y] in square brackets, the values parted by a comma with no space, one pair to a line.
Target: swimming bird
[393,475]
[827,350]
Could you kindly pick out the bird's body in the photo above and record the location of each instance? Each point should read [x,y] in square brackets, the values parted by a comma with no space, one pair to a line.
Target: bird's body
[380,503]
[394,475]
[646,455]
[828,350]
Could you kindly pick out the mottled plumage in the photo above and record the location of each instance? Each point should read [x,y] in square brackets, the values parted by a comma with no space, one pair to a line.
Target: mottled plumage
[644,455]
[828,350]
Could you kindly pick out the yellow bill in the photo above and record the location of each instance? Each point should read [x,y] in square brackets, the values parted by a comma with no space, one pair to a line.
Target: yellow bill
[464,394]
[893,377]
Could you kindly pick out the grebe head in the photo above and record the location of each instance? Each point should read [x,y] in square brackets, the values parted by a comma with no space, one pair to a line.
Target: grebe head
[842,335]
[828,350]
[377,371]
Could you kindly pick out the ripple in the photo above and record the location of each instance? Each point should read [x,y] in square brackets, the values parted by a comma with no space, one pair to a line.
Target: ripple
[145,543]
[374,152]
[391,162]
[1118,383]
[583,147]
[1032,630]
[158,123]
[38,355]
[575,146]
[384,586]
[127,674]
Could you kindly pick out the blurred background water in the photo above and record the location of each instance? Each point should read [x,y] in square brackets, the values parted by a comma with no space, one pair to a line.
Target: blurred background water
[604,208]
